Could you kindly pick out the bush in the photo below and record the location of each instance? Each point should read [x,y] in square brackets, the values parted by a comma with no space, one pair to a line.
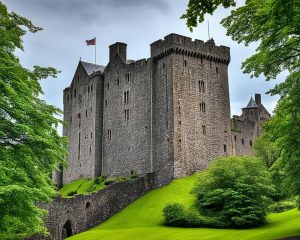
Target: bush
[282,206]
[235,190]
[109,181]
[175,214]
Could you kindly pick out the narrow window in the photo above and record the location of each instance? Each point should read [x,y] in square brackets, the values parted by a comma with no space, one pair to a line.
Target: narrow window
[203,87]
[80,98]
[78,145]
[127,114]
[79,119]
[127,77]
[109,134]
[105,103]
[88,89]
[250,143]
[163,65]
[90,149]
[202,107]
[234,138]
[91,135]
[217,70]
[118,82]
[243,141]
[86,113]
[225,148]
[91,88]
[126,97]
[201,59]
[78,78]
[185,63]
[203,130]
[91,109]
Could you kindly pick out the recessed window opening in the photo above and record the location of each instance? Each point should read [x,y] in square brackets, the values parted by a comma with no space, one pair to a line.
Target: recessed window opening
[225,148]
[185,63]
[204,130]
[243,141]
[202,107]
[201,86]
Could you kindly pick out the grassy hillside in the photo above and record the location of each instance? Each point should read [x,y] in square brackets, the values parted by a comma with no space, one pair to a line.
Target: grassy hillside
[143,220]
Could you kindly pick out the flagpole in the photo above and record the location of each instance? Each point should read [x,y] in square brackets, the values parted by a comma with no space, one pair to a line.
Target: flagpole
[95,50]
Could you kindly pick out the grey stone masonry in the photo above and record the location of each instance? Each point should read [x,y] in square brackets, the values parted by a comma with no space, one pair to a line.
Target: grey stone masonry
[168,114]
[247,127]
[69,216]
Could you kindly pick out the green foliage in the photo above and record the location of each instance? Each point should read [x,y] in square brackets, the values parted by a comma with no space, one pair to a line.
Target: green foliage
[282,206]
[30,147]
[266,150]
[284,129]
[236,190]
[198,8]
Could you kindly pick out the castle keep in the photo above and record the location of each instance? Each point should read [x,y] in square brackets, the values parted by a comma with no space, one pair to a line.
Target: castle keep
[168,114]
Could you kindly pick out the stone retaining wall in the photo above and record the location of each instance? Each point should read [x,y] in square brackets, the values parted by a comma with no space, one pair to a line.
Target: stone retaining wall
[69,216]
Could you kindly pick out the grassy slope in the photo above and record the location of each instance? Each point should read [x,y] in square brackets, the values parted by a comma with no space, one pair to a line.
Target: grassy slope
[143,220]
[81,186]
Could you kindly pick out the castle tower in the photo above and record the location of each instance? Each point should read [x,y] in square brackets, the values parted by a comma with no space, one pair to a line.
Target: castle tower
[83,115]
[247,127]
[191,109]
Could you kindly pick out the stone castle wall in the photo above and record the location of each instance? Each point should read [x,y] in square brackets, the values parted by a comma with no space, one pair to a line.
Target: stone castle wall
[82,212]
[83,116]
[127,114]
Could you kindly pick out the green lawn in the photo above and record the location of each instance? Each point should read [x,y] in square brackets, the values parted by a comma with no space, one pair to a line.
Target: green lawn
[142,220]
[80,186]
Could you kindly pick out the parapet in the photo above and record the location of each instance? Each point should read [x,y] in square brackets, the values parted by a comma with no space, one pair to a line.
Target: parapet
[185,45]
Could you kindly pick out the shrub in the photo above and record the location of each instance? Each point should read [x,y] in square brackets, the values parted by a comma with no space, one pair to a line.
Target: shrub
[282,206]
[109,181]
[175,214]
[235,190]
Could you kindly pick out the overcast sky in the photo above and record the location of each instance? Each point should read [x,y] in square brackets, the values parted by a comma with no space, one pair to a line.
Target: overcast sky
[68,23]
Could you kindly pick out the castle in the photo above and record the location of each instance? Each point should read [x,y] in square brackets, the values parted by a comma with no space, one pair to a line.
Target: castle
[168,114]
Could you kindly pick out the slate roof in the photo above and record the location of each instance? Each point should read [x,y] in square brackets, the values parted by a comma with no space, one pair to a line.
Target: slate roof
[91,67]
[251,104]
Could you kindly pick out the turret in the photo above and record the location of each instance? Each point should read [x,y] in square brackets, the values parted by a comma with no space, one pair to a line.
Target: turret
[120,48]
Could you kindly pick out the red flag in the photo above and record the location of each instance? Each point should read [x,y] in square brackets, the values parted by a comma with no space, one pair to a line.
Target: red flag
[91,42]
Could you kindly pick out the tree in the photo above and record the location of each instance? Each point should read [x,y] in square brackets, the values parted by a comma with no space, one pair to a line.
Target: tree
[30,147]
[236,191]
[275,25]
[232,192]
[266,150]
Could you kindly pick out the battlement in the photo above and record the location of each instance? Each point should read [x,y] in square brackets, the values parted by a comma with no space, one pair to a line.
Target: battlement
[185,45]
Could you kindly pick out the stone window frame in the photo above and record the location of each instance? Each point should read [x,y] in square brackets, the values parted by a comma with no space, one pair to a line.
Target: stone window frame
[201,86]
[202,107]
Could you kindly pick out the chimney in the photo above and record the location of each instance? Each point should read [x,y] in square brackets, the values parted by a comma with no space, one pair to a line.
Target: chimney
[118,47]
[258,99]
